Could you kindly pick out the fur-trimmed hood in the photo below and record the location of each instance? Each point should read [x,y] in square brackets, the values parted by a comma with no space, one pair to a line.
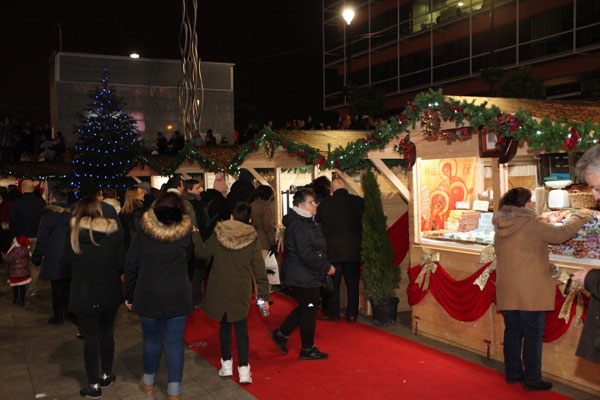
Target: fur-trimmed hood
[509,219]
[235,235]
[98,224]
[152,227]
[57,208]
[114,203]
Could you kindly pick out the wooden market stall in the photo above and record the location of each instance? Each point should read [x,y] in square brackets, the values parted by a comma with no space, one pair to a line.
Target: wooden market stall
[446,173]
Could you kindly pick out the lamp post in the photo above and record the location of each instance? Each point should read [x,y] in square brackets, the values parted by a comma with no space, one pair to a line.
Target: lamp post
[348,15]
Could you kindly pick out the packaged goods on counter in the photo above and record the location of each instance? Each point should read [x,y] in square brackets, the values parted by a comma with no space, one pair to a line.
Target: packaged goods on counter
[585,244]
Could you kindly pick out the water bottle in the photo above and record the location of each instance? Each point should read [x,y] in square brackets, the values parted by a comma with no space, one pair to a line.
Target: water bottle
[261,303]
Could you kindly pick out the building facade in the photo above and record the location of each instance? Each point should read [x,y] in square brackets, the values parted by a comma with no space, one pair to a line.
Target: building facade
[148,87]
[406,46]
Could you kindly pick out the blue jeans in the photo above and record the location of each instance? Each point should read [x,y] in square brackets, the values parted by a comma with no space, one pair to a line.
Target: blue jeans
[171,331]
[524,332]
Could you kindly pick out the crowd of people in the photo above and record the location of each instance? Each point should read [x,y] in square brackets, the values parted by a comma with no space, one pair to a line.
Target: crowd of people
[23,142]
[163,253]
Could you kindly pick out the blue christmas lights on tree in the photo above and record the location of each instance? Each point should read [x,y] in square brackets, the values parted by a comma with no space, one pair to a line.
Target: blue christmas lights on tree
[106,144]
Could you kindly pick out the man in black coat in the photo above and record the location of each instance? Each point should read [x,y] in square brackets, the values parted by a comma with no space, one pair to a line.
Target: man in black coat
[24,219]
[242,190]
[341,219]
[54,226]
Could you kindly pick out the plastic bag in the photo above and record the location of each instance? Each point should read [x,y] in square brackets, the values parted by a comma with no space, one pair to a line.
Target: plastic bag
[272,269]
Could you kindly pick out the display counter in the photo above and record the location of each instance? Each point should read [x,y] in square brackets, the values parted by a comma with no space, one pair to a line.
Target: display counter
[451,289]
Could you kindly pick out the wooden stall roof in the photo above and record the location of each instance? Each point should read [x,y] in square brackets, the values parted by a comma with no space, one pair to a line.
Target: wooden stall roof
[321,139]
[579,111]
[37,169]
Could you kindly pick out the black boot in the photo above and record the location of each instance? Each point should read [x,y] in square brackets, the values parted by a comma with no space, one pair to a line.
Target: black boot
[107,380]
[279,339]
[541,385]
[91,391]
[313,354]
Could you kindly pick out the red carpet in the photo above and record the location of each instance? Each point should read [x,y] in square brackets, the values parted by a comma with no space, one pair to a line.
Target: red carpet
[364,363]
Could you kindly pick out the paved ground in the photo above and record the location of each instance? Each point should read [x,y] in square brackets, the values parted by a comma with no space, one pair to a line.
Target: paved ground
[45,361]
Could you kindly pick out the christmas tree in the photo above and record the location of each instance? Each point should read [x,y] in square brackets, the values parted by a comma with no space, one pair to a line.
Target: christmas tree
[107,141]
[380,275]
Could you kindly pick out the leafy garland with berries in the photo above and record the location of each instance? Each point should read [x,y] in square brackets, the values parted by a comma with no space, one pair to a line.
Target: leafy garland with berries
[468,117]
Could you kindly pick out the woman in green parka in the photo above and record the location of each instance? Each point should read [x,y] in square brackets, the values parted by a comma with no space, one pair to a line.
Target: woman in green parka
[237,257]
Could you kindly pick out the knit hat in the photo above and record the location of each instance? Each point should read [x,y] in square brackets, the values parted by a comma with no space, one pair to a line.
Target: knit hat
[145,186]
[21,241]
[220,184]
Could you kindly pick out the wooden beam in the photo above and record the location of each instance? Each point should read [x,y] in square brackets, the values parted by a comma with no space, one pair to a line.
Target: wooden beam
[496,183]
[314,172]
[258,176]
[136,179]
[186,176]
[350,182]
[394,180]
[278,199]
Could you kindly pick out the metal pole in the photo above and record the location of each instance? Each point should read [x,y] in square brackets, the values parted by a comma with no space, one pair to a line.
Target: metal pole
[59,36]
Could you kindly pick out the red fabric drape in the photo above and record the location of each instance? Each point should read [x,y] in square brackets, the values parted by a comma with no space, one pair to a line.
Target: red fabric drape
[398,235]
[462,300]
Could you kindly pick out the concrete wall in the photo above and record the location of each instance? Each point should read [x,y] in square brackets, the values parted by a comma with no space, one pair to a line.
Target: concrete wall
[148,87]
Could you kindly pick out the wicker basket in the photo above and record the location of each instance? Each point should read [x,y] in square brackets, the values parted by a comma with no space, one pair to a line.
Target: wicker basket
[582,200]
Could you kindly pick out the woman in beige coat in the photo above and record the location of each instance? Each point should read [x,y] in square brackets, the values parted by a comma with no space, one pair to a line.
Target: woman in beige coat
[525,289]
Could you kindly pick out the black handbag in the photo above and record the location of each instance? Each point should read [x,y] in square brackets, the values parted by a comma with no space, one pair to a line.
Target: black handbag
[327,286]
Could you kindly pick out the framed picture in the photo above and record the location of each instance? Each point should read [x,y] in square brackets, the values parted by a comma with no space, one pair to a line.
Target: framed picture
[487,144]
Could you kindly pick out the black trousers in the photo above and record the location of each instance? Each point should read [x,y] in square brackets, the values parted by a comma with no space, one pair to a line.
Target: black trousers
[98,342]
[60,297]
[350,270]
[523,342]
[305,315]
[199,278]
[19,293]
[241,337]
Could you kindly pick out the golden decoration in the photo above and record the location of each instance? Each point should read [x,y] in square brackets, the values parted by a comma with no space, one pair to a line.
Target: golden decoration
[431,122]
[429,267]
[269,147]
[487,255]
[565,310]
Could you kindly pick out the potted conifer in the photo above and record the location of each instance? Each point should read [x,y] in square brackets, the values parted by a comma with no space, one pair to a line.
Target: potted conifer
[380,276]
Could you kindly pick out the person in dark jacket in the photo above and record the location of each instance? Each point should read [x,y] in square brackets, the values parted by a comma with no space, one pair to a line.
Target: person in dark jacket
[341,219]
[16,260]
[588,170]
[242,190]
[90,189]
[54,226]
[237,259]
[24,220]
[131,213]
[93,259]
[304,267]
[157,287]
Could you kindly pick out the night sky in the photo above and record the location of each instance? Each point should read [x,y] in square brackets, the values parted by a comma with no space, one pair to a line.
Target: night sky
[275,44]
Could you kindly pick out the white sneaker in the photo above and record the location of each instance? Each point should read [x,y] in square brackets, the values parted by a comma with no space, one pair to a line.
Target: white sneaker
[245,375]
[226,368]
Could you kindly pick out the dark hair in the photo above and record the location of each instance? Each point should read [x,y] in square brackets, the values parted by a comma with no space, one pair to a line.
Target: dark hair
[189,184]
[242,212]
[87,207]
[322,180]
[109,193]
[321,192]
[173,182]
[264,192]
[169,208]
[301,195]
[88,188]
[516,197]
[59,194]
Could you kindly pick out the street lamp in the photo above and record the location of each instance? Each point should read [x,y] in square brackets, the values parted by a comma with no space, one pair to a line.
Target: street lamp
[348,15]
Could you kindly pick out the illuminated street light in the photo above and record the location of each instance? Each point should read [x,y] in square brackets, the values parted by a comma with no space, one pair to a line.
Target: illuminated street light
[134,55]
[348,15]
[460,4]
